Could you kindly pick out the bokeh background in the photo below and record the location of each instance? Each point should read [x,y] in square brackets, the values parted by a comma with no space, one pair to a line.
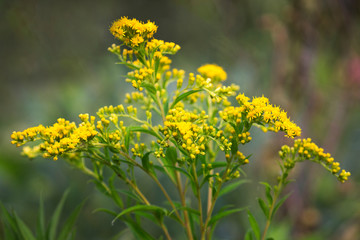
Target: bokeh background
[304,55]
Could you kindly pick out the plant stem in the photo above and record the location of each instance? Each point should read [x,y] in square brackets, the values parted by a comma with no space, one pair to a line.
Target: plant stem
[212,205]
[156,181]
[165,231]
[183,203]
[276,195]
[199,199]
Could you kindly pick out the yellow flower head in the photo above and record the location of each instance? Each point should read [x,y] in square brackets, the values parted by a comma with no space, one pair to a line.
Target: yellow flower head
[213,71]
[133,32]
[63,136]
[261,112]
[305,149]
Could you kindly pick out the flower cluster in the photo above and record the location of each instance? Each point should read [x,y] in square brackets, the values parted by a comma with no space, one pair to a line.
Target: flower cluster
[161,46]
[305,149]
[137,77]
[260,111]
[191,132]
[60,138]
[213,71]
[133,32]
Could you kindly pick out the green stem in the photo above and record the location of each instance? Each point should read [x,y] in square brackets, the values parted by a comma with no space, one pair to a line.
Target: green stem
[199,200]
[156,181]
[212,203]
[271,210]
[164,228]
[183,203]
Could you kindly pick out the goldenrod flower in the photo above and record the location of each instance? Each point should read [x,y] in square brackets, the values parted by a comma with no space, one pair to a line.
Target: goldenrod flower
[133,32]
[213,71]
[261,112]
[305,149]
[57,139]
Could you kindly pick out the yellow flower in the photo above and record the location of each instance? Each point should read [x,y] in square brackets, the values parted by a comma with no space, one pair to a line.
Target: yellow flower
[261,112]
[305,149]
[213,71]
[57,139]
[132,32]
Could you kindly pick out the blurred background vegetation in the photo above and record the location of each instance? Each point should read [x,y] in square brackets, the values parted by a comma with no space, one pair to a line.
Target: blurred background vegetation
[304,55]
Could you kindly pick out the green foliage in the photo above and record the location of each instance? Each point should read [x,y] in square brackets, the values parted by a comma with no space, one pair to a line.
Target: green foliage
[15,228]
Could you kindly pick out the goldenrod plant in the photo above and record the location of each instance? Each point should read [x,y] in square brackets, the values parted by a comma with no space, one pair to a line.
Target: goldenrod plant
[176,127]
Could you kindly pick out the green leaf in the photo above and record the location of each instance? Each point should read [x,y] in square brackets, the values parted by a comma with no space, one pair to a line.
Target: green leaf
[169,162]
[130,194]
[144,130]
[127,139]
[114,195]
[157,63]
[268,191]
[248,235]
[264,207]
[279,203]
[254,225]
[106,211]
[24,230]
[234,146]
[100,187]
[68,226]
[53,224]
[40,231]
[218,164]
[145,162]
[8,217]
[232,186]
[137,230]
[214,219]
[150,89]
[10,227]
[188,209]
[141,208]
[180,170]
[171,155]
[182,96]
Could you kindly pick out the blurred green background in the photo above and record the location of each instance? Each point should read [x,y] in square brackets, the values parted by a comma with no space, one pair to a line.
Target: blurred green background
[304,55]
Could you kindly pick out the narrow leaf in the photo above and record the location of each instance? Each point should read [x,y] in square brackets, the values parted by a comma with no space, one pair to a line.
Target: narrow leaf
[279,203]
[268,192]
[144,130]
[254,225]
[106,211]
[137,230]
[264,207]
[249,235]
[180,170]
[166,106]
[40,231]
[53,224]
[145,161]
[214,219]
[24,230]
[218,164]
[140,208]
[9,219]
[182,96]
[68,226]
[232,186]
[127,139]
[171,154]
[115,196]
